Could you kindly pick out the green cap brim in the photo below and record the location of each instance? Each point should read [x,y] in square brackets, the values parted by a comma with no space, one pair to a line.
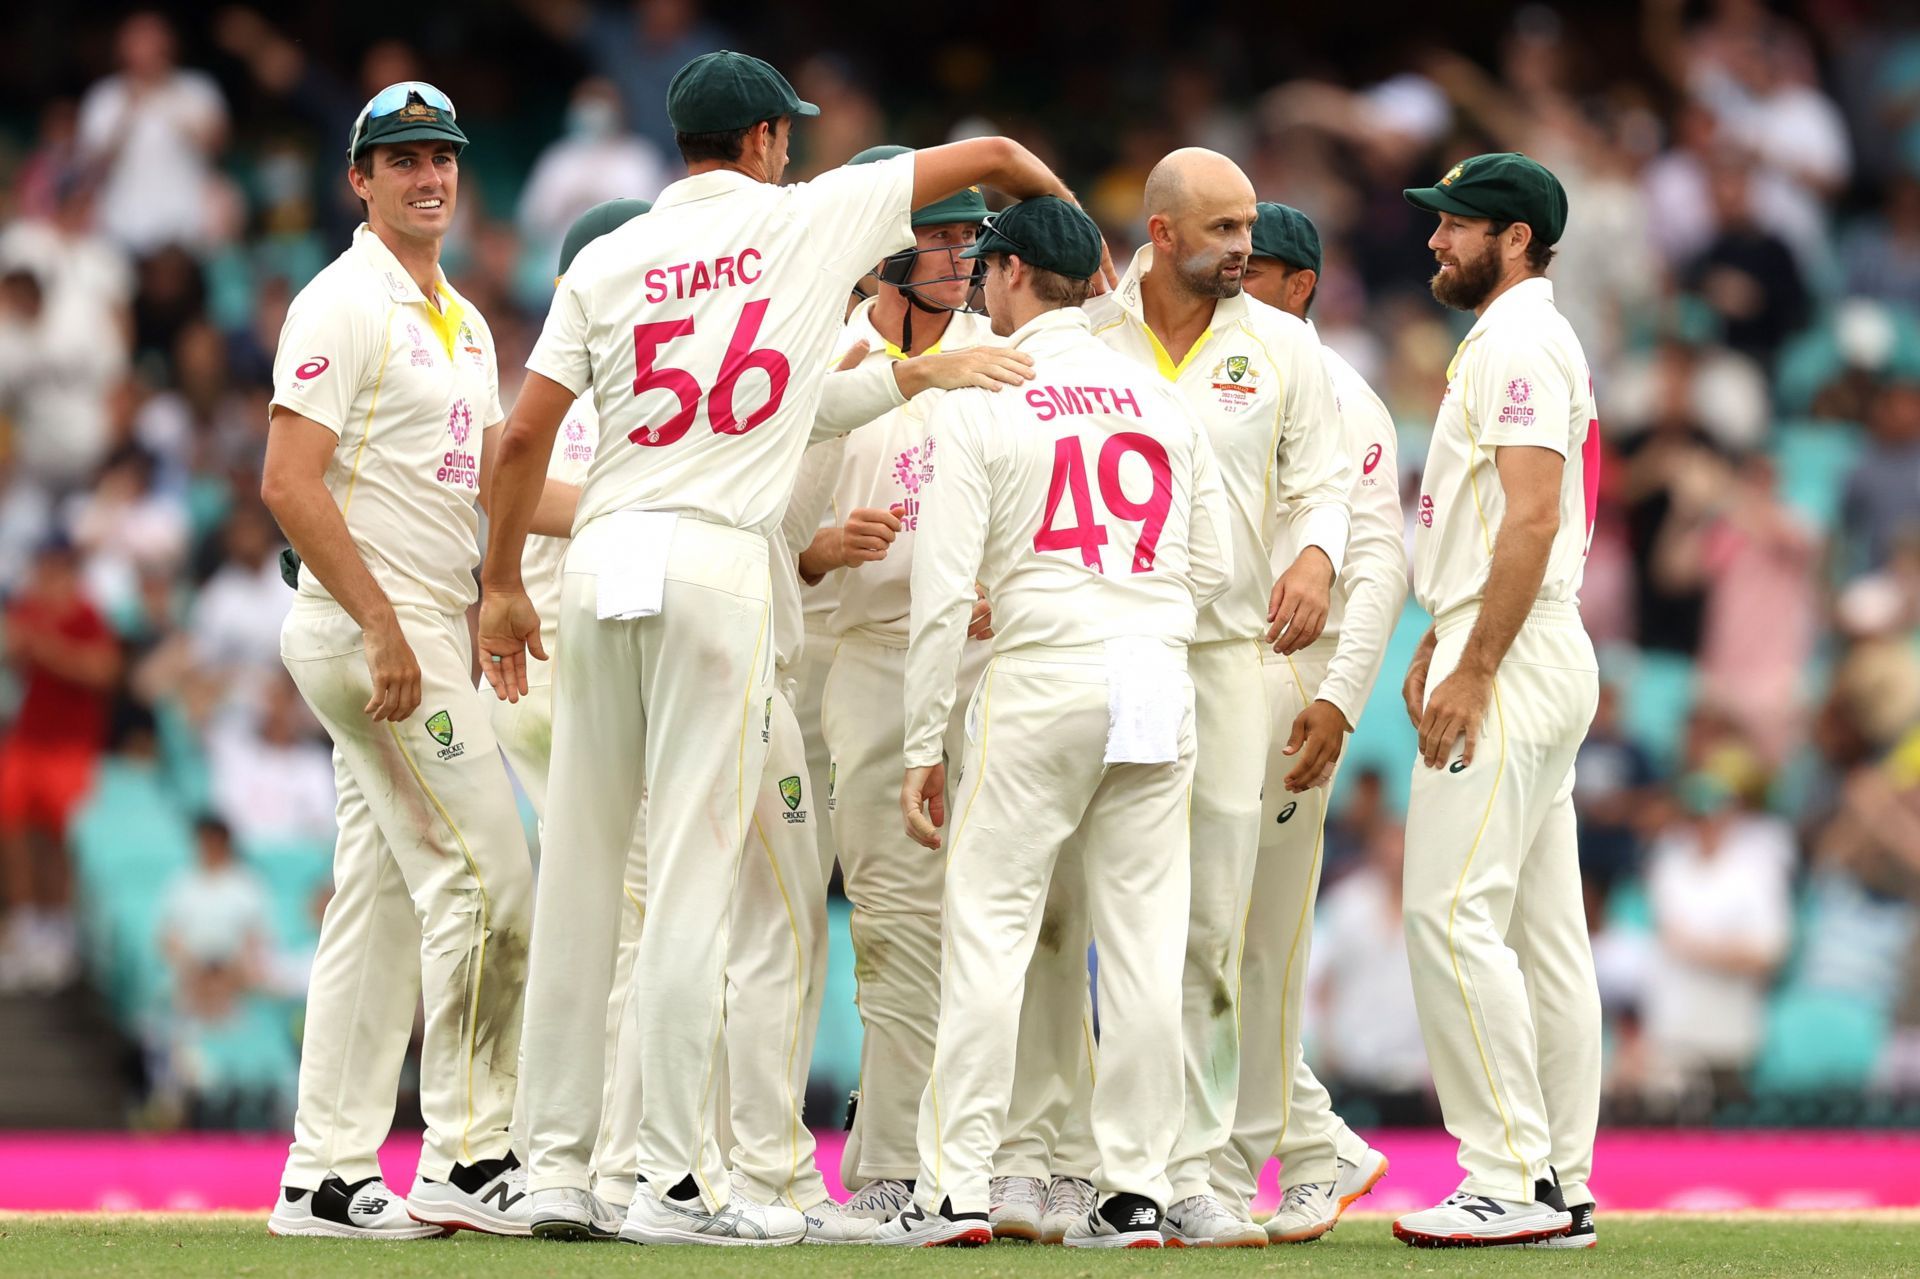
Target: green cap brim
[438,132]
[802,107]
[1440,200]
[989,242]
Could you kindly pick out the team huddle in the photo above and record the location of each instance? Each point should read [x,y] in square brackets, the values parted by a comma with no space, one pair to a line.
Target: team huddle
[1039,595]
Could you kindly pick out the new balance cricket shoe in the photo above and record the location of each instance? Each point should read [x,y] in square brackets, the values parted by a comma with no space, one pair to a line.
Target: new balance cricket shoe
[1202,1221]
[1123,1221]
[573,1216]
[682,1217]
[364,1210]
[881,1200]
[489,1197]
[1015,1206]
[1306,1212]
[1580,1235]
[1355,1180]
[1069,1199]
[1467,1220]
[917,1228]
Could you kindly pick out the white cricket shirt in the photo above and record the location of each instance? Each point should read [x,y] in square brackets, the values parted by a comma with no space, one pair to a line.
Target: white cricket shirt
[542,563]
[1519,378]
[1087,503]
[702,332]
[1255,379]
[411,390]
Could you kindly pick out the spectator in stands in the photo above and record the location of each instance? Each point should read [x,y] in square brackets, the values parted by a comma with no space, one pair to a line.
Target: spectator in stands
[599,158]
[62,352]
[1746,274]
[151,132]
[1883,252]
[1613,788]
[637,46]
[272,772]
[236,619]
[68,662]
[1881,505]
[1720,890]
[1662,464]
[215,913]
[127,525]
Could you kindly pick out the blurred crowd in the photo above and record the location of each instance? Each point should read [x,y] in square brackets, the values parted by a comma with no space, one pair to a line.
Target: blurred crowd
[1742,263]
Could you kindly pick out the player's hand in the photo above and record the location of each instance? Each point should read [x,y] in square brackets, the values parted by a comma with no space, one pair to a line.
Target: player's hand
[1106,279]
[1297,611]
[923,796]
[986,367]
[980,625]
[509,629]
[395,672]
[1414,691]
[1319,733]
[866,535]
[1456,709]
[851,360]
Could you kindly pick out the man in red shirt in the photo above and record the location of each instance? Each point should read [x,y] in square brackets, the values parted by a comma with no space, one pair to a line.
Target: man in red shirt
[66,662]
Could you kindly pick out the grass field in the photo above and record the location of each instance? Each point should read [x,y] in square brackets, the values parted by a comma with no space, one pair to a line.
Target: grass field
[1638,1244]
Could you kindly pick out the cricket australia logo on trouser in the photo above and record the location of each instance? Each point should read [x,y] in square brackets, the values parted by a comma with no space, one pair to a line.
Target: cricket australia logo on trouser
[790,795]
[440,728]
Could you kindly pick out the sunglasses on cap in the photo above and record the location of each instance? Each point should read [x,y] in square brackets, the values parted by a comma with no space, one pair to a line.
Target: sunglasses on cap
[991,225]
[396,97]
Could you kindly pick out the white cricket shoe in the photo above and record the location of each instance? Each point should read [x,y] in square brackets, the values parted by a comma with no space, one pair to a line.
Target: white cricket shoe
[1069,1199]
[498,1205]
[830,1223]
[881,1200]
[1015,1206]
[1306,1212]
[364,1210]
[1123,1221]
[654,1219]
[1466,1220]
[1357,1179]
[1202,1221]
[1581,1235]
[573,1216]
[918,1228]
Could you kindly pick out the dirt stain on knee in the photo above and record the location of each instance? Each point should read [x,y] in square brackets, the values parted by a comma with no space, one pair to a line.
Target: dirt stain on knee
[1051,929]
[1222,1002]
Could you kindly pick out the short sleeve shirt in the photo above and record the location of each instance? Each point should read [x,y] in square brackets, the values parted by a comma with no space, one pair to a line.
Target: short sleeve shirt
[410,389]
[702,331]
[1519,378]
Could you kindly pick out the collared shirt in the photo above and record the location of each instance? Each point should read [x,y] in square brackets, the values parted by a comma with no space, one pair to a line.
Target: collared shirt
[1372,588]
[702,330]
[884,465]
[1519,378]
[1255,379]
[411,390]
[1087,503]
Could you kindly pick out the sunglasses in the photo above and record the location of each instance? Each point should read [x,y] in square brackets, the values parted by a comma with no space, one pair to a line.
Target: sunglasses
[990,225]
[394,98]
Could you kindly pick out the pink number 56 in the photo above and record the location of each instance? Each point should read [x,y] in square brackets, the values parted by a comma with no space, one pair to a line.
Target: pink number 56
[741,355]
[1086,534]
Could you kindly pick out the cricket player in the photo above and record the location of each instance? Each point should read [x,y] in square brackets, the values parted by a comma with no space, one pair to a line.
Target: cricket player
[384,418]
[1315,697]
[1255,377]
[1502,689]
[919,326]
[704,335]
[1089,508]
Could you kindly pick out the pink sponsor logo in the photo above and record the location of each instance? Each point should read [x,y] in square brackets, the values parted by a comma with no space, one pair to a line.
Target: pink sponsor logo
[460,420]
[914,467]
[1519,390]
[1426,511]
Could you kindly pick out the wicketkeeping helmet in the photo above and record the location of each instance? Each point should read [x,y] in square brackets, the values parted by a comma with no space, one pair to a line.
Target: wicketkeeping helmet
[968,206]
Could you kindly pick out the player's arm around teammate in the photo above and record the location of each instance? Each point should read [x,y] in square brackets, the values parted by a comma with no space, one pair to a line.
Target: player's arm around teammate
[1505,688]
[386,397]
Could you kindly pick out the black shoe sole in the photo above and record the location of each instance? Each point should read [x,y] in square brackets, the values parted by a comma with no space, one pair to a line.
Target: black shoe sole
[566,1232]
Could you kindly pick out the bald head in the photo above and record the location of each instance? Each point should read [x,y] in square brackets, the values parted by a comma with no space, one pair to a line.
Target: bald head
[1200,216]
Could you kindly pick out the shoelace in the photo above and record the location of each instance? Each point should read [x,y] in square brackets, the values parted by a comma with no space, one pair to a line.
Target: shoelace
[885,1194]
[1069,1196]
[1019,1190]
[1298,1196]
[1205,1208]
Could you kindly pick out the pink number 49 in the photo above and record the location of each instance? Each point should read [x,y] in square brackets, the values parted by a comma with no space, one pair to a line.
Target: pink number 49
[1086,534]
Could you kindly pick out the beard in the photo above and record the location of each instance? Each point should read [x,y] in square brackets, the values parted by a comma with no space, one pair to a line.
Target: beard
[1206,277]
[1466,286]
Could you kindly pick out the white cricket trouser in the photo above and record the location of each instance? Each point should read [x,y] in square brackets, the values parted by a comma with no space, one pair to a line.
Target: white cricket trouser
[1496,933]
[1048,1132]
[432,899]
[894,886]
[678,706]
[1037,732]
[1233,728]
[525,730]
[1283,1110]
[810,683]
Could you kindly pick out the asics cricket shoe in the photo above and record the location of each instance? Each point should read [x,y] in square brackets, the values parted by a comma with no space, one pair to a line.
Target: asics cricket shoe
[1123,1221]
[364,1210]
[918,1228]
[881,1200]
[489,1197]
[1581,1235]
[573,1216]
[682,1217]
[1015,1206]
[1069,1199]
[827,1221]
[1202,1221]
[1467,1220]
[1306,1212]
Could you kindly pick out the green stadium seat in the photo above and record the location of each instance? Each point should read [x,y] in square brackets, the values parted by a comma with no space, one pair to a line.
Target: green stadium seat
[1820,1039]
[1814,460]
[1657,694]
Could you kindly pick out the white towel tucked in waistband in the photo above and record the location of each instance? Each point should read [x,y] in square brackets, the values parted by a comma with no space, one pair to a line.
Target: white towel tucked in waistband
[632,563]
[1145,702]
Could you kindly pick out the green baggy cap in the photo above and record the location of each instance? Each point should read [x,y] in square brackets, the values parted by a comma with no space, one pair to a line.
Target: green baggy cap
[1046,232]
[1505,186]
[1286,235]
[727,90]
[596,222]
